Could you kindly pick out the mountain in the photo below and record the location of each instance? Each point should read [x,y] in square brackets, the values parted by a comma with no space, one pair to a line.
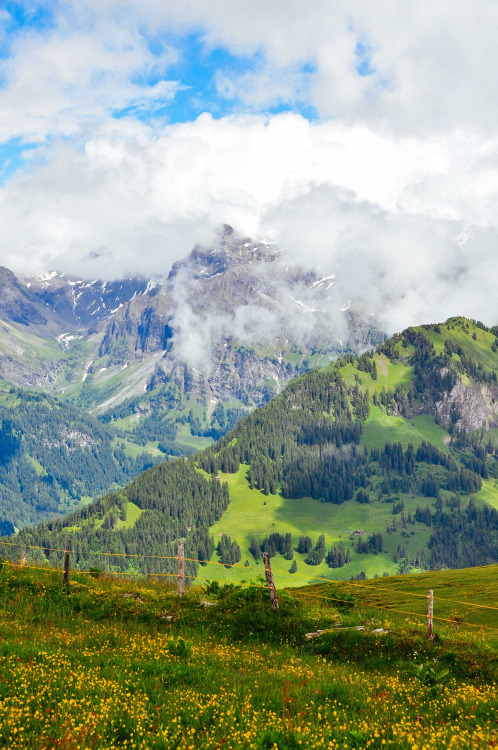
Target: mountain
[81,304]
[174,361]
[54,458]
[381,463]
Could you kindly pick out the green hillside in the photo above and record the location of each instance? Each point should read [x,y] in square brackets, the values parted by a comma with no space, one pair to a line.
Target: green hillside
[107,664]
[376,465]
[54,458]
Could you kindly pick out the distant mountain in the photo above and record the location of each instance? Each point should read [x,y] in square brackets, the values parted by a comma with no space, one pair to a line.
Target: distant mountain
[381,463]
[176,361]
[83,304]
[54,458]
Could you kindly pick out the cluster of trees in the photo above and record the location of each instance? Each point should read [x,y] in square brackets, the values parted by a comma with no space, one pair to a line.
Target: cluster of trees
[228,550]
[273,544]
[338,556]
[467,365]
[372,545]
[317,554]
[367,363]
[423,515]
[223,419]
[464,538]
[282,544]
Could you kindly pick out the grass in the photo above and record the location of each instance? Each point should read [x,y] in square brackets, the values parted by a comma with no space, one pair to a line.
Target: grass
[455,593]
[381,428]
[134,449]
[185,437]
[133,513]
[456,329]
[489,492]
[40,471]
[389,375]
[252,514]
[112,664]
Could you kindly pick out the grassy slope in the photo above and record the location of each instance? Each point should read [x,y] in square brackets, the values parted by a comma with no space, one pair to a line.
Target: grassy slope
[455,593]
[251,513]
[99,666]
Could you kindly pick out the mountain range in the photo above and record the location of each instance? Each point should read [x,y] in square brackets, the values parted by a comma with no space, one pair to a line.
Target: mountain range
[163,365]
[380,463]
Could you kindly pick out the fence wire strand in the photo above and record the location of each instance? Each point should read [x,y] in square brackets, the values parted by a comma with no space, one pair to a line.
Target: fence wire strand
[353,584]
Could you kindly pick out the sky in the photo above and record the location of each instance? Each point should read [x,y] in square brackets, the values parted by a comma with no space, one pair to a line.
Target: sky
[361,137]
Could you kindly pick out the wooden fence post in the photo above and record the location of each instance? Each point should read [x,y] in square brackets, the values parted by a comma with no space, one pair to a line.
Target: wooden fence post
[430,614]
[65,575]
[271,582]
[181,567]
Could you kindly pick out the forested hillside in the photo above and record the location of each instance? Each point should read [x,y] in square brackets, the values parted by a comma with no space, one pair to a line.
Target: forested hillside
[381,463]
[53,458]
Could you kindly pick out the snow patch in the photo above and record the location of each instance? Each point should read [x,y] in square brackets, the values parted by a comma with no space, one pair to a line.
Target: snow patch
[330,278]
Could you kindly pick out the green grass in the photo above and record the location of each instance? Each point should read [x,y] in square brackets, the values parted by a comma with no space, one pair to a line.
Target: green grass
[36,466]
[456,330]
[455,593]
[252,514]
[133,513]
[489,492]
[134,449]
[389,375]
[108,664]
[185,437]
[381,428]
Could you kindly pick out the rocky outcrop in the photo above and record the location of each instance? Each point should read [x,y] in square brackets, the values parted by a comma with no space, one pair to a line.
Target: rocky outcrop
[142,326]
[18,304]
[80,304]
[469,406]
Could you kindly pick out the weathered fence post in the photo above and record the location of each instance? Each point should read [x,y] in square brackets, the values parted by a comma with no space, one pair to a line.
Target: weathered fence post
[430,614]
[181,567]
[271,582]
[65,575]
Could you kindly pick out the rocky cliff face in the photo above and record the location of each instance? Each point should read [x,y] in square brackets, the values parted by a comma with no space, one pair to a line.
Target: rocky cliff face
[469,407]
[80,304]
[18,304]
[237,320]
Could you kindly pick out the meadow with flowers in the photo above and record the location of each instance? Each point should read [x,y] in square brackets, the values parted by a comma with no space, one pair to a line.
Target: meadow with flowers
[107,663]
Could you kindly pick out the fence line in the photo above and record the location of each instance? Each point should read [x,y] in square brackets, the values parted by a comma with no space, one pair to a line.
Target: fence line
[296,594]
[353,584]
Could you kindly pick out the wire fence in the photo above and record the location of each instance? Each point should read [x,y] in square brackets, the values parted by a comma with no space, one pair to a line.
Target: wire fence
[301,593]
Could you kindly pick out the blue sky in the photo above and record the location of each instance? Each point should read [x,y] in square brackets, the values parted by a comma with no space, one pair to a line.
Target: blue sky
[197,68]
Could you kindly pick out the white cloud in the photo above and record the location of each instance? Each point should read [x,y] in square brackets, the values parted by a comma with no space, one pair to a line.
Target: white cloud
[433,65]
[57,82]
[409,226]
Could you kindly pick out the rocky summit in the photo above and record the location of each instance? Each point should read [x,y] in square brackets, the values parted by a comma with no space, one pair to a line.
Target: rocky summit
[228,326]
